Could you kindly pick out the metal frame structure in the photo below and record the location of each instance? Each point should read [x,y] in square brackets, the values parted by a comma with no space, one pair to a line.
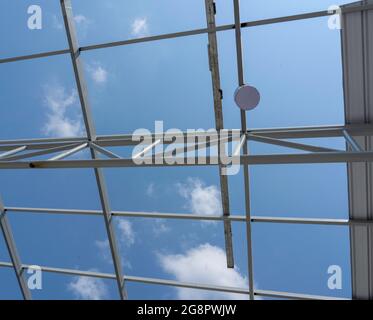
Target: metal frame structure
[357,50]
[20,154]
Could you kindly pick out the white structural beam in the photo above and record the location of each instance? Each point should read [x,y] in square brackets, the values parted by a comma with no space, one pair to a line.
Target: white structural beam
[128,140]
[13,252]
[104,151]
[38,153]
[289,144]
[246,173]
[190,216]
[247,24]
[357,52]
[91,134]
[316,157]
[69,152]
[13,151]
[213,56]
[179,284]
[351,142]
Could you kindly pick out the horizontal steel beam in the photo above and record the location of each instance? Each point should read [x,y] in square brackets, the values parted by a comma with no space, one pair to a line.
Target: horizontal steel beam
[131,140]
[293,296]
[35,56]
[248,24]
[328,131]
[308,158]
[192,216]
[179,284]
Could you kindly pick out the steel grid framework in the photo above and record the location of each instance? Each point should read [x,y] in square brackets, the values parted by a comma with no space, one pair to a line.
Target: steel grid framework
[19,154]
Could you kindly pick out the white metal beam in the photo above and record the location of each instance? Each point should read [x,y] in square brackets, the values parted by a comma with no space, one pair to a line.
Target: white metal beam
[192,216]
[91,134]
[213,56]
[241,82]
[180,284]
[13,252]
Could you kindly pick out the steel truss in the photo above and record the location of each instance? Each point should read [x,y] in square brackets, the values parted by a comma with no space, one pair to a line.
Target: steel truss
[52,153]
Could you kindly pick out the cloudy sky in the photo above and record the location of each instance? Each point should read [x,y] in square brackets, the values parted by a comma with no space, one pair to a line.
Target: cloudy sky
[297,68]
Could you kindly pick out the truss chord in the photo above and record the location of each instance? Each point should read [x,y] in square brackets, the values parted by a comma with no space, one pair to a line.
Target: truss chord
[278,159]
[126,139]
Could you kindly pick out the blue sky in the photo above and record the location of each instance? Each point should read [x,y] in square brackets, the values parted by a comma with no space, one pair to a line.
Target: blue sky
[297,68]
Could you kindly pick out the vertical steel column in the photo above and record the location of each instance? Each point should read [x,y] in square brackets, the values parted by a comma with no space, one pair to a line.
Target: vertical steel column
[13,252]
[241,82]
[217,93]
[91,134]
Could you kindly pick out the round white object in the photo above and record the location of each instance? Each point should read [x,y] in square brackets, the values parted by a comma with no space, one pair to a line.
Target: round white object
[247,97]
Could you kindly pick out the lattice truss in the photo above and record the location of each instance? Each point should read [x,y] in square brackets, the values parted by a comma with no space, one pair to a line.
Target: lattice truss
[19,154]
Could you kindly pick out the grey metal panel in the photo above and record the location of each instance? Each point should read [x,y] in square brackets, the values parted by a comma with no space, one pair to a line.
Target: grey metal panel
[357,51]
[353,68]
[369,62]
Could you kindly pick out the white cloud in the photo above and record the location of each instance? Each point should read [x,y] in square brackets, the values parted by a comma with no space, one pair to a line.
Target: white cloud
[104,253]
[205,264]
[87,288]
[159,227]
[201,199]
[104,250]
[139,27]
[127,235]
[97,73]
[79,19]
[59,122]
